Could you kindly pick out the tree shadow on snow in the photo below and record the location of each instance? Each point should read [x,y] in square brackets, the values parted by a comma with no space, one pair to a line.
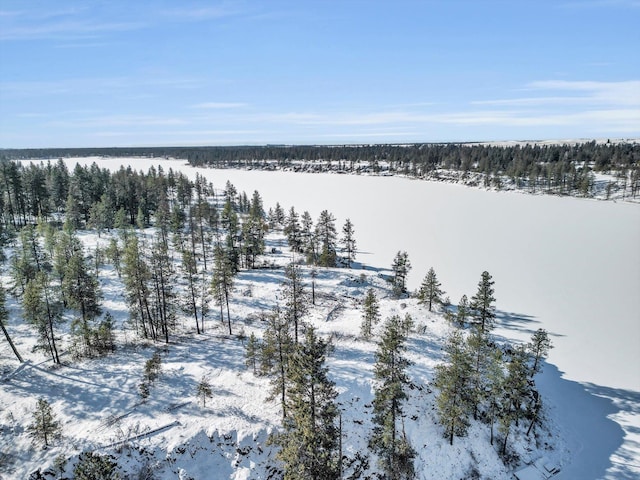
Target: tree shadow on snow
[519,322]
[584,412]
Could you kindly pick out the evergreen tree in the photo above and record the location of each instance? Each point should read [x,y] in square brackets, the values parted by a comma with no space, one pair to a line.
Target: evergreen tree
[349,242]
[82,292]
[370,314]
[463,311]
[392,447]
[494,387]
[162,280]
[253,230]
[539,349]
[153,368]
[44,312]
[92,466]
[478,345]
[308,238]
[327,239]
[26,261]
[203,390]
[295,297]
[516,392]
[279,215]
[430,292]
[44,427]
[100,216]
[310,438]
[293,232]
[482,303]
[276,347]
[453,379]
[401,267]
[222,280]
[137,275]
[114,254]
[252,352]
[190,273]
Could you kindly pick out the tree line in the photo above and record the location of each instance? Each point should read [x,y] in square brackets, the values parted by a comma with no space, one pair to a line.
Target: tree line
[567,169]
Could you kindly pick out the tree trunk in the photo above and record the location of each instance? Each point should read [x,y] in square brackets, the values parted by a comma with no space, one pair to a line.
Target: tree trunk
[13,347]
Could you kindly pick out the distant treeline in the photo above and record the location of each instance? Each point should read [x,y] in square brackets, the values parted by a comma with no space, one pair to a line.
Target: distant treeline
[564,169]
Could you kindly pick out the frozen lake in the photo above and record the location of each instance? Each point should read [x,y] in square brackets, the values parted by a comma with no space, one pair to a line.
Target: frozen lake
[571,266]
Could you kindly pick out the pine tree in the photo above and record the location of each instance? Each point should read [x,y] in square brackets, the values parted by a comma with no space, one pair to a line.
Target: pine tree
[26,261]
[539,349]
[478,345]
[310,438]
[222,280]
[370,314]
[516,392]
[295,297]
[92,466]
[430,292]
[293,232]
[482,303]
[162,280]
[494,387]
[45,427]
[82,292]
[308,238]
[253,230]
[401,267]
[279,214]
[114,254]
[44,312]
[327,239]
[190,273]
[349,242]
[203,391]
[137,275]
[453,379]
[463,311]
[277,345]
[252,352]
[153,368]
[393,449]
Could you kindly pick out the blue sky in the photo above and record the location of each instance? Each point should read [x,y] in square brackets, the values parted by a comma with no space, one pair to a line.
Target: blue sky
[124,73]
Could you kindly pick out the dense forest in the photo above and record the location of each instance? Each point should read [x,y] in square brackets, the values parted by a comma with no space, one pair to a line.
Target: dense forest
[177,245]
[567,169]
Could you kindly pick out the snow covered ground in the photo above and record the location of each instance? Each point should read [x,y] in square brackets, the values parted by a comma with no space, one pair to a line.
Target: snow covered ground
[174,436]
[569,265]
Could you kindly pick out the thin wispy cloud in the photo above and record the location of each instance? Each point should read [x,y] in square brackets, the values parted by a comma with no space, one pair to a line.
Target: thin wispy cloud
[66,30]
[95,85]
[219,105]
[201,13]
[119,121]
[625,93]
